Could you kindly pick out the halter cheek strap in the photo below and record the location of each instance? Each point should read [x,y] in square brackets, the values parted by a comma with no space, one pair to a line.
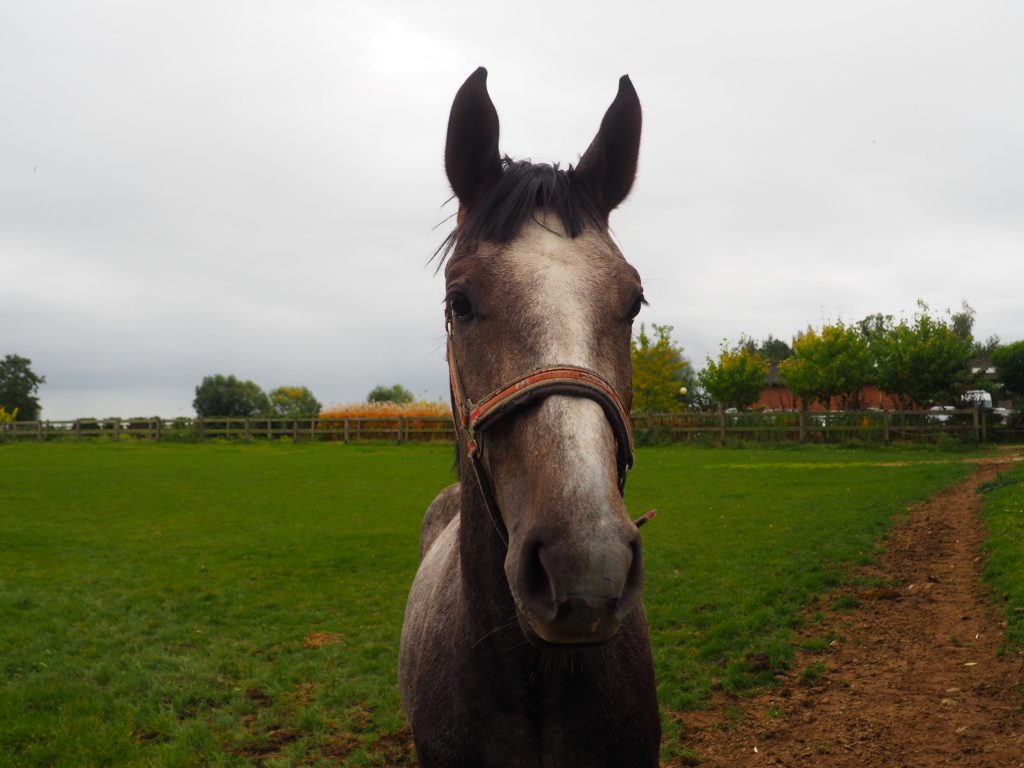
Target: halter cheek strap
[473,419]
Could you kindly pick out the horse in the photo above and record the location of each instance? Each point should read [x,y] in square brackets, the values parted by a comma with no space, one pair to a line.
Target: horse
[525,642]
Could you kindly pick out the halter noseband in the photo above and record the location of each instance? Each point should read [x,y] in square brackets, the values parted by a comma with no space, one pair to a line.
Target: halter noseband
[474,418]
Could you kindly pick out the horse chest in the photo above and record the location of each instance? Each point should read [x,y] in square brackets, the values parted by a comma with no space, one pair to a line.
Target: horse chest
[491,708]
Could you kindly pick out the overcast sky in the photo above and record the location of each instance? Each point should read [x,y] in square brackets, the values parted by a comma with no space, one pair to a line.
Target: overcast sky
[253,188]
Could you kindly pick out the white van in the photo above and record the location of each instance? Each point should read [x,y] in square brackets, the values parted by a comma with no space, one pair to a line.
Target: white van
[978,398]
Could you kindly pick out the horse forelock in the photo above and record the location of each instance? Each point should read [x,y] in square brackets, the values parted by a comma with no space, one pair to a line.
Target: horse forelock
[523,189]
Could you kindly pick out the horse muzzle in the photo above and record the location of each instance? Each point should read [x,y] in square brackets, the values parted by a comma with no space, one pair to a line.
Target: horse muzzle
[575,592]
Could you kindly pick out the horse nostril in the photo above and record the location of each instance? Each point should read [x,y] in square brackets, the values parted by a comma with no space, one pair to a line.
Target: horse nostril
[536,580]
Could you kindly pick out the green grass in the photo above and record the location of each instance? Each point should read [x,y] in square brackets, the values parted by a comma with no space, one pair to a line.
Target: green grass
[154,600]
[1004,569]
[229,604]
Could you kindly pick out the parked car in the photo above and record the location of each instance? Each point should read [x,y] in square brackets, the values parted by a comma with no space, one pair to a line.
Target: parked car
[936,413]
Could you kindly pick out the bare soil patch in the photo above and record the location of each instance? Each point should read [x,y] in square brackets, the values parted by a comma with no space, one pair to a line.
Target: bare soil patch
[320,639]
[911,673]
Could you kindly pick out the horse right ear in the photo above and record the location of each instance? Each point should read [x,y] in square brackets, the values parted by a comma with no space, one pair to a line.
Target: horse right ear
[471,157]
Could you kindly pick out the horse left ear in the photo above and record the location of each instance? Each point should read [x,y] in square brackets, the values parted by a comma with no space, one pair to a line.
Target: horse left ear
[608,167]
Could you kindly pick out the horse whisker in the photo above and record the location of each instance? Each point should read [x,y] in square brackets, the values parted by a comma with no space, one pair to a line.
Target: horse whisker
[498,628]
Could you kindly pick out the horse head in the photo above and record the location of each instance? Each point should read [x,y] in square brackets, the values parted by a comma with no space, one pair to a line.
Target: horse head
[536,284]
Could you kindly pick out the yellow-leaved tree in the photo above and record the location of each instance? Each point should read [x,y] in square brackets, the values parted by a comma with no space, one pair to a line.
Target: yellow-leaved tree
[662,376]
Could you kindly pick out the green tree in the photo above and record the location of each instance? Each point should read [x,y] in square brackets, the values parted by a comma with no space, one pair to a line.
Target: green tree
[922,361]
[18,387]
[834,362]
[393,394]
[771,349]
[660,371]
[774,350]
[737,378]
[293,403]
[1009,362]
[984,349]
[962,322]
[874,328]
[221,395]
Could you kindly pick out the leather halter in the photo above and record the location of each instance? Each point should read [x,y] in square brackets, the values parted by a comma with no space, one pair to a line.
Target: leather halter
[474,418]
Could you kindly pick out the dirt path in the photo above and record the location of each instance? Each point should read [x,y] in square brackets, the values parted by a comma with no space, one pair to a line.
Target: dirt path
[914,677]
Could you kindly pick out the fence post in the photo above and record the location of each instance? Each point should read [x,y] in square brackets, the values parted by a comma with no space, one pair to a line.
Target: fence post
[401,427]
[885,427]
[802,414]
[721,427]
[39,431]
[78,430]
[977,426]
[156,434]
[201,429]
[984,426]
[345,430]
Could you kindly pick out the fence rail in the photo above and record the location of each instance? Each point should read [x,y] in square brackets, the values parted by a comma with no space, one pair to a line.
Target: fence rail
[881,427]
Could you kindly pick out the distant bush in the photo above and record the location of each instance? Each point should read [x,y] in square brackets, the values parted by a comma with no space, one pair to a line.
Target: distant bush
[421,420]
[293,402]
[393,394]
[220,395]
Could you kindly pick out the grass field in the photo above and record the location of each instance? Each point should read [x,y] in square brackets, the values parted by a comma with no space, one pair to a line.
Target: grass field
[229,604]
[1004,569]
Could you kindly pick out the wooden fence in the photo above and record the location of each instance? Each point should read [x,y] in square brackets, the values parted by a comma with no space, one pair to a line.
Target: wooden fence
[874,427]
[881,427]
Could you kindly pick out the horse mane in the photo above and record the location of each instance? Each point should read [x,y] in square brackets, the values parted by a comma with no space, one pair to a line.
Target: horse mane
[522,189]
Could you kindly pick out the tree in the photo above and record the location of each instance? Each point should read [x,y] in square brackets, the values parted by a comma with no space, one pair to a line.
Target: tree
[393,394]
[660,371]
[984,349]
[875,327]
[834,362]
[962,322]
[739,376]
[774,350]
[293,403]
[221,395]
[1009,362]
[923,361]
[18,387]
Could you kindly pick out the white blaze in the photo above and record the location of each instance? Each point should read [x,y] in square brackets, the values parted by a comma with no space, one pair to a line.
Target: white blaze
[555,273]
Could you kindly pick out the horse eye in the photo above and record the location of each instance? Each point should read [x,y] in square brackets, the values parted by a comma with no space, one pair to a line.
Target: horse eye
[635,309]
[460,306]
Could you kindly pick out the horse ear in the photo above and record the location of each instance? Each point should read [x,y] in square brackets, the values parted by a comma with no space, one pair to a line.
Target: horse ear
[471,157]
[608,167]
